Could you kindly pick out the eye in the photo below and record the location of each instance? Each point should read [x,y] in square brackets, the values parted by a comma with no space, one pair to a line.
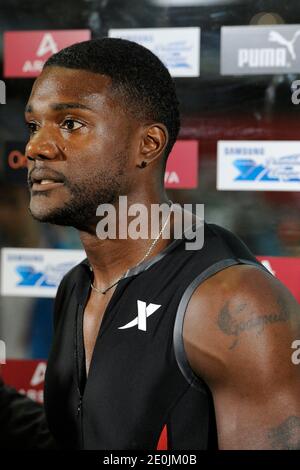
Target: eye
[32,127]
[71,125]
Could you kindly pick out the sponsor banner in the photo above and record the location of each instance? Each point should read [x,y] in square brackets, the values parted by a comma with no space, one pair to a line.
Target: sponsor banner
[28,272]
[177,48]
[25,52]
[182,166]
[258,165]
[26,376]
[287,270]
[260,50]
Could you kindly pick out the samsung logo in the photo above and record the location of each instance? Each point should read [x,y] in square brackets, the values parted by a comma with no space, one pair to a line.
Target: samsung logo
[31,258]
[244,151]
[139,38]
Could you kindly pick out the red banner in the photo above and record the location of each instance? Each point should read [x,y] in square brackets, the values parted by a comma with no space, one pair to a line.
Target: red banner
[26,376]
[182,166]
[25,52]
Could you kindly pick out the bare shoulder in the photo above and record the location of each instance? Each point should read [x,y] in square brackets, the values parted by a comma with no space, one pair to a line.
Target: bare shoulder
[241,315]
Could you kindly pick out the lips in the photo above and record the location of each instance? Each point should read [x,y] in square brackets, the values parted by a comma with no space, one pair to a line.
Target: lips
[46,186]
[43,180]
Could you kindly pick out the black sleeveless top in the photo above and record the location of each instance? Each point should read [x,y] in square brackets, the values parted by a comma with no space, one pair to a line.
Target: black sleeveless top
[140,383]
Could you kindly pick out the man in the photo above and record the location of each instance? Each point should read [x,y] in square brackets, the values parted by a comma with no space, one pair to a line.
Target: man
[191,344]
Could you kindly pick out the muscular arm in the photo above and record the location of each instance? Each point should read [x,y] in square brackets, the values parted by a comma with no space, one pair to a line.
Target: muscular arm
[238,332]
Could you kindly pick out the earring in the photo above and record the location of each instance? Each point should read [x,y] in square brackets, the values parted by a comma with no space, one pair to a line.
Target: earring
[143,164]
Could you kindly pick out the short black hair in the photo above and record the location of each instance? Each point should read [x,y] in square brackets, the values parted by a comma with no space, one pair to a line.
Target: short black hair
[135,71]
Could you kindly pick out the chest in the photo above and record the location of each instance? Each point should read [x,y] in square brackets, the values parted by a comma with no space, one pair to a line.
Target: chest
[92,319]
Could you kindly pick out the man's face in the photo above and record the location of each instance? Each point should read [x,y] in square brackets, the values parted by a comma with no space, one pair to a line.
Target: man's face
[80,148]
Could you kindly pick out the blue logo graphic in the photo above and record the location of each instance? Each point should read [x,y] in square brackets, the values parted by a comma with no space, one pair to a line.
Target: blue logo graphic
[281,169]
[174,54]
[50,277]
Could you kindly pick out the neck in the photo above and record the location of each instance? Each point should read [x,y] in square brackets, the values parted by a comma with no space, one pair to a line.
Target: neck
[111,258]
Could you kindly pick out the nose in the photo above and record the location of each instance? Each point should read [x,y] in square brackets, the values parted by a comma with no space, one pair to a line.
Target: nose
[42,147]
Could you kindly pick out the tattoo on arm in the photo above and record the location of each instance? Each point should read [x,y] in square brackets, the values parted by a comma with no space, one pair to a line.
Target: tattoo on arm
[286,436]
[234,321]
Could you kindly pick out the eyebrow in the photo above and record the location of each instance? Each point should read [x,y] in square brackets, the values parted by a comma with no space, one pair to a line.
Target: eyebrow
[60,106]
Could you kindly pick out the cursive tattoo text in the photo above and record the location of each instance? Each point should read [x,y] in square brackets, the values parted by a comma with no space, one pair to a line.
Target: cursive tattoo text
[235,320]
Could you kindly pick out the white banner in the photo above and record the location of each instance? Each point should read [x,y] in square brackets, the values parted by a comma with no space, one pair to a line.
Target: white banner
[29,272]
[177,48]
[258,165]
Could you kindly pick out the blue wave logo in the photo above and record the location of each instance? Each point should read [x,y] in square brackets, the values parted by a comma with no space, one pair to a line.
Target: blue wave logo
[50,277]
[282,169]
[174,54]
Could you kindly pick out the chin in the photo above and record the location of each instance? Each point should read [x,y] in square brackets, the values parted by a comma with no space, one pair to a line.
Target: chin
[41,216]
[66,216]
[43,213]
[47,209]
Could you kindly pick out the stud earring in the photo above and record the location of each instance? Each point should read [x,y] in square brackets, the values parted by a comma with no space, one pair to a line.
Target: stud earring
[143,164]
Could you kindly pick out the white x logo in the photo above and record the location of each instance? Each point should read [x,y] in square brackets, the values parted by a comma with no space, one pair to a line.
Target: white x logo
[144,312]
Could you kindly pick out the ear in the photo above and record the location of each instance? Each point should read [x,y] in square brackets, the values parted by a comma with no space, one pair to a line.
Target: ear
[153,142]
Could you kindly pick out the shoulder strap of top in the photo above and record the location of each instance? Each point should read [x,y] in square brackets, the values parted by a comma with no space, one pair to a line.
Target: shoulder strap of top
[180,355]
